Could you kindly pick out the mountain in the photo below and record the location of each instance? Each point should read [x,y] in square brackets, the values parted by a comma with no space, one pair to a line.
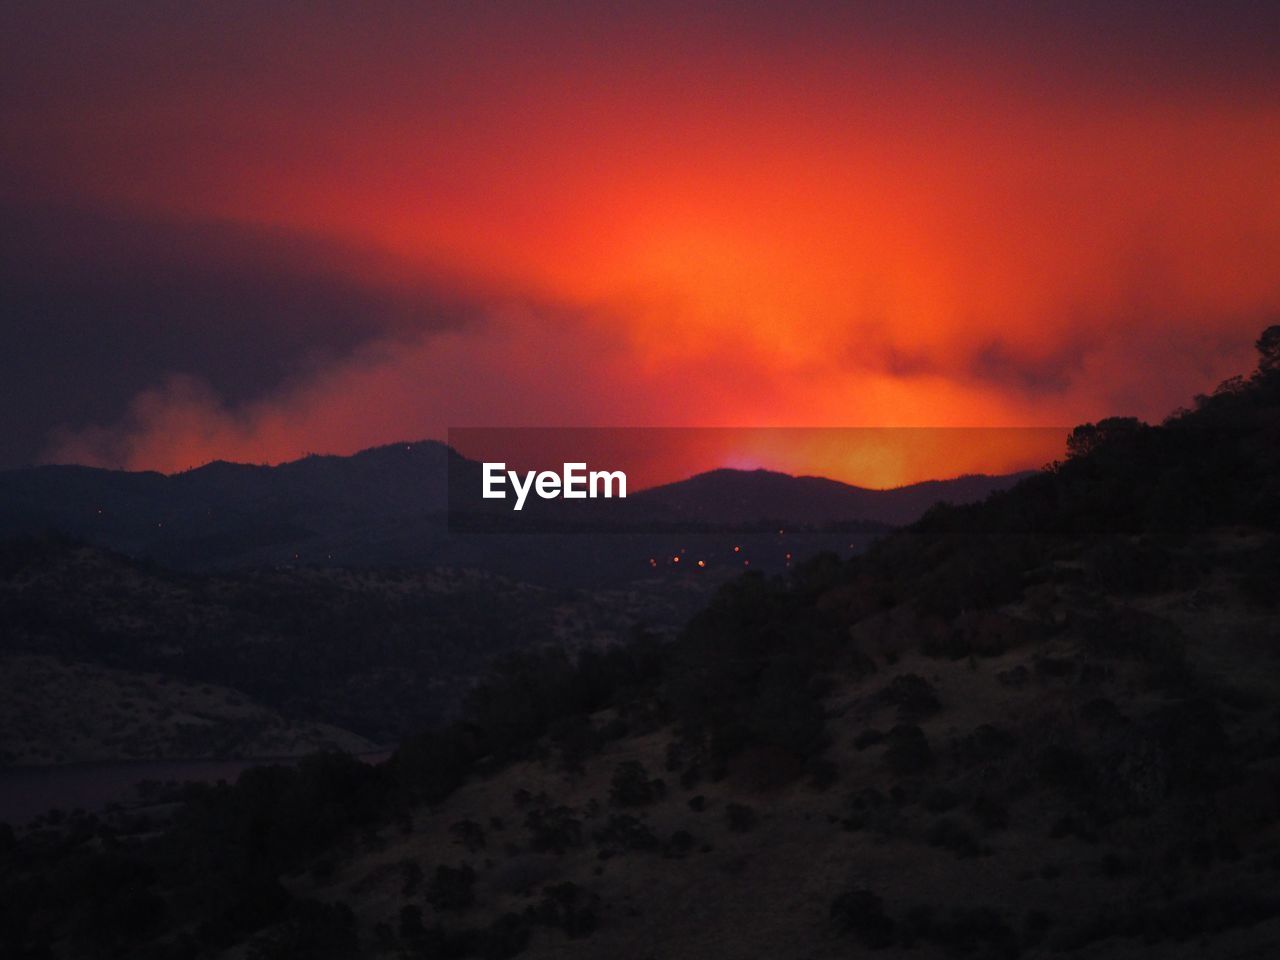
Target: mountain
[230,514]
[390,506]
[747,496]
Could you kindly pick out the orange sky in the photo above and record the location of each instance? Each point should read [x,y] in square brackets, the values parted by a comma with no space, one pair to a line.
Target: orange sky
[734,220]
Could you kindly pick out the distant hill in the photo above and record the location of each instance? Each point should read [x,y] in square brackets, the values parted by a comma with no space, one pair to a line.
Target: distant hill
[233,514]
[746,496]
[387,506]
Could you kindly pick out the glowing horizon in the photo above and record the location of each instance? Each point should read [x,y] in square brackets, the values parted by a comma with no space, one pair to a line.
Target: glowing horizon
[620,217]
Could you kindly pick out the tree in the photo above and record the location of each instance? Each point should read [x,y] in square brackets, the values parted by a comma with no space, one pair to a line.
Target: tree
[1088,437]
[1268,346]
[453,888]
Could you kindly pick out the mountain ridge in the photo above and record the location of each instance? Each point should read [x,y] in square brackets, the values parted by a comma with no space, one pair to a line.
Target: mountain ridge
[390,504]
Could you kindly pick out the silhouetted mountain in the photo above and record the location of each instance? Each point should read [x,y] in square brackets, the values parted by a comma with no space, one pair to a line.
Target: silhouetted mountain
[388,506]
[748,496]
[230,514]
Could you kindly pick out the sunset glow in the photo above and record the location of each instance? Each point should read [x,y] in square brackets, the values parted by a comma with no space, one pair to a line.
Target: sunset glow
[563,218]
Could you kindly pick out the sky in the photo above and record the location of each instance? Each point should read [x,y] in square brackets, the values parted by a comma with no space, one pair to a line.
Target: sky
[251,231]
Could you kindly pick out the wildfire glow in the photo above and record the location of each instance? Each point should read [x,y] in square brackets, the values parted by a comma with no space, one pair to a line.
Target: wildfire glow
[653,217]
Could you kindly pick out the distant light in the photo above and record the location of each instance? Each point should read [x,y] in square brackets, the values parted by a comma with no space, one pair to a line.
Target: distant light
[737,549]
[675,559]
[746,563]
[702,563]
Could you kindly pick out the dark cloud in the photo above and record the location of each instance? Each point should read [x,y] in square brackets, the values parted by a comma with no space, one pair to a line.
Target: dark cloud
[996,362]
[96,308]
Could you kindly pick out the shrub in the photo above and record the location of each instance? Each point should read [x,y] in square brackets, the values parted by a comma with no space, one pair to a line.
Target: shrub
[553,830]
[861,913]
[567,907]
[410,877]
[863,805]
[632,787]
[990,812]
[913,695]
[969,928]
[505,937]
[469,834]
[681,844]
[1064,767]
[624,832]
[908,751]
[313,931]
[951,835]
[740,817]
[823,774]
[940,800]
[452,888]
[868,738]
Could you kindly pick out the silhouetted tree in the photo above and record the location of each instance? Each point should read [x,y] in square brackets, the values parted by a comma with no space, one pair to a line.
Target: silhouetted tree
[1269,349]
[1091,437]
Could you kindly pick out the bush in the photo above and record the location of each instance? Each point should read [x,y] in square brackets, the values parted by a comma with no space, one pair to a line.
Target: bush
[913,695]
[622,833]
[940,800]
[506,937]
[823,774]
[679,845]
[908,751]
[861,913]
[990,812]
[740,817]
[313,931]
[469,834]
[986,744]
[969,928]
[951,835]
[567,907]
[868,738]
[410,877]
[553,830]
[452,888]
[632,787]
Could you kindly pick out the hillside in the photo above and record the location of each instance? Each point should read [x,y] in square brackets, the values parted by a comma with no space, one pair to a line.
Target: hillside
[1043,725]
[54,710]
[110,657]
[1027,793]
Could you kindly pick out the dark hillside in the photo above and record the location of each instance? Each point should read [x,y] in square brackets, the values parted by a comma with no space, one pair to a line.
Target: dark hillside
[1044,725]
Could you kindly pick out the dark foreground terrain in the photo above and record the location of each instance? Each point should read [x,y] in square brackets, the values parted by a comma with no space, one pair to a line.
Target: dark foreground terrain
[104,657]
[1042,725]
